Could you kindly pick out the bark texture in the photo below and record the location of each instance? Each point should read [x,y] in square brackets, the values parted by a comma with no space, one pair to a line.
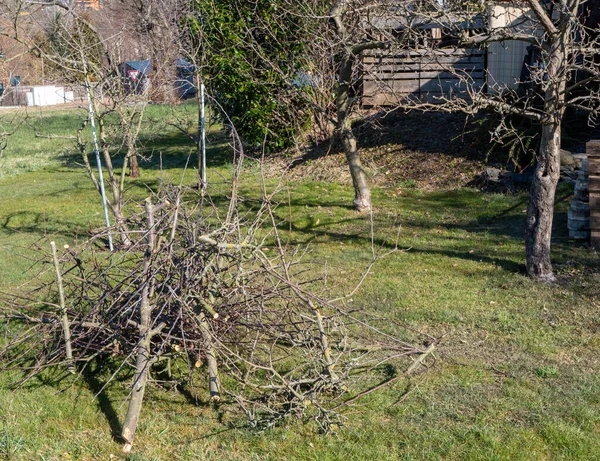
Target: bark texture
[134,166]
[211,360]
[540,212]
[143,360]
[362,192]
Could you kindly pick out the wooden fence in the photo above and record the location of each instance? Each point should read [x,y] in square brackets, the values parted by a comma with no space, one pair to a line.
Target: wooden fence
[390,77]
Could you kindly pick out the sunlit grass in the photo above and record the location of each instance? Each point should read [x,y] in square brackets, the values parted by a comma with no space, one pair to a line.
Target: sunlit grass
[516,373]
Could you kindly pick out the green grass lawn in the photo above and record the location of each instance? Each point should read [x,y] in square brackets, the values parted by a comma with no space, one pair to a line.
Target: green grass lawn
[515,377]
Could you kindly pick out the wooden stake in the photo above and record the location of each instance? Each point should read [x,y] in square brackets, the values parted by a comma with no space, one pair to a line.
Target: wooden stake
[324,342]
[63,310]
[211,360]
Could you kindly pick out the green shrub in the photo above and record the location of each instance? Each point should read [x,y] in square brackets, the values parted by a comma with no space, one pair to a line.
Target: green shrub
[253,52]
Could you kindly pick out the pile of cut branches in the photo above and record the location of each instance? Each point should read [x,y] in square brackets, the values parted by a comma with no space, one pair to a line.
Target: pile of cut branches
[197,286]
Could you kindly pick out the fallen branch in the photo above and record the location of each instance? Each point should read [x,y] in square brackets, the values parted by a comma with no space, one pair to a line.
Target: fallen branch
[408,372]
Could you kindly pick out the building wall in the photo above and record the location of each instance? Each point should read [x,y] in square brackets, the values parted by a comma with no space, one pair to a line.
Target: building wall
[505,59]
[390,78]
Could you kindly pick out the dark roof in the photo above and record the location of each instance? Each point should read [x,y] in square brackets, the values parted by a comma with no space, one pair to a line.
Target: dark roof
[145,67]
[185,65]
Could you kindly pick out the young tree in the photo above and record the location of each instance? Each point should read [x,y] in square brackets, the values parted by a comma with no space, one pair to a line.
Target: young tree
[82,57]
[75,51]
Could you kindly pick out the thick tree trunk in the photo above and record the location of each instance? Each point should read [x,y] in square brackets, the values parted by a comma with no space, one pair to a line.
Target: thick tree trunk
[540,212]
[541,205]
[362,192]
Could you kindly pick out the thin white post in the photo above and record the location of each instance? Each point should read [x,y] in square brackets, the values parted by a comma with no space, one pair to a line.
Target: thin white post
[97,152]
[203,129]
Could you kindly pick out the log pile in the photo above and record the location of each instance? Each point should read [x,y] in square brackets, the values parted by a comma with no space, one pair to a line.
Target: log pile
[593,148]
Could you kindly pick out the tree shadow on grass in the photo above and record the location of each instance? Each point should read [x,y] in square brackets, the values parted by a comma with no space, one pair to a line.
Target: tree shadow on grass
[105,405]
[57,377]
[314,233]
[37,223]
[168,151]
[426,213]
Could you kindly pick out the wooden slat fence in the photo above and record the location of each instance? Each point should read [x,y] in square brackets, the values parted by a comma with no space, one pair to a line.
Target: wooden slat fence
[390,77]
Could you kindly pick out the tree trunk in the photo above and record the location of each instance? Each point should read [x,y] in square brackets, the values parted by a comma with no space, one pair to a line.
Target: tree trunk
[540,212]
[362,192]
[116,205]
[134,167]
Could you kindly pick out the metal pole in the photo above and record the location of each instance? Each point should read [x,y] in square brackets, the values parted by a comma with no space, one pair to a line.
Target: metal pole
[97,152]
[203,128]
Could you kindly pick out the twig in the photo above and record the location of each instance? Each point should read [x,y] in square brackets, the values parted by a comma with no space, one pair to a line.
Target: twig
[410,369]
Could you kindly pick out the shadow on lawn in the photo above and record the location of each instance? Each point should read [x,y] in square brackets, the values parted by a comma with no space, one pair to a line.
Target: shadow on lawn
[167,151]
[105,405]
[469,211]
[30,222]
[313,233]
[428,214]
[96,385]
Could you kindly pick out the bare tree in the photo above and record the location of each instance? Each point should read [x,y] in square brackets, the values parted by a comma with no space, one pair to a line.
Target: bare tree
[321,79]
[76,52]
[347,29]
[149,30]
[351,44]
[563,74]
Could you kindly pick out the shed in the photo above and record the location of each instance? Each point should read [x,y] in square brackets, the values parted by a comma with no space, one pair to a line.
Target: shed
[505,59]
[184,85]
[422,74]
[433,68]
[136,75]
